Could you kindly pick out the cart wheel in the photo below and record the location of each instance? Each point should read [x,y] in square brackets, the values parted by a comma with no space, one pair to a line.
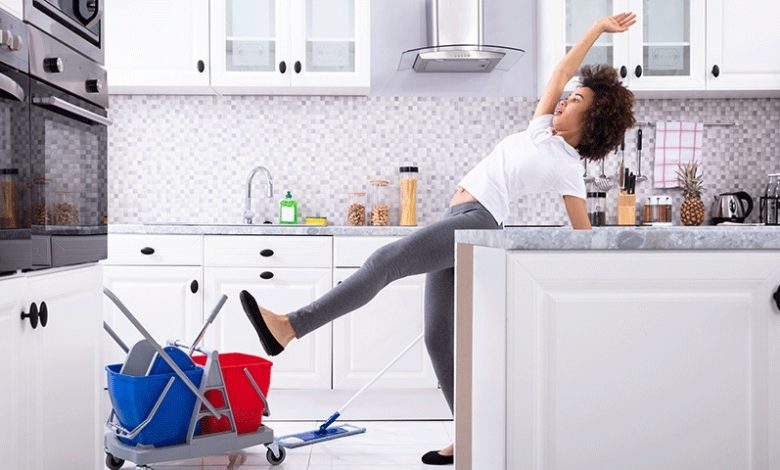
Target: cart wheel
[113,463]
[273,460]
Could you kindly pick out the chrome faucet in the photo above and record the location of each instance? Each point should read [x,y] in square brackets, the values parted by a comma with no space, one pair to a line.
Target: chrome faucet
[248,214]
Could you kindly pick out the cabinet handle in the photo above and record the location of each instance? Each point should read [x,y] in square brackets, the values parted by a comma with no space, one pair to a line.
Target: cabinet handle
[339,283]
[297,66]
[267,275]
[267,253]
[282,67]
[33,315]
[623,71]
[638,71]
[147,250]
[201,66]
[194,287]
[43,315]
[715,71]
[777,298]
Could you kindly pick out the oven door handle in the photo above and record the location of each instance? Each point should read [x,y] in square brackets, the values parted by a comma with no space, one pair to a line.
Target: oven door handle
[11,88]
[71,108]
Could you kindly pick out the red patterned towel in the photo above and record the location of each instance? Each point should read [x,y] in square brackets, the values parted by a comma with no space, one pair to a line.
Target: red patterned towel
[675,143]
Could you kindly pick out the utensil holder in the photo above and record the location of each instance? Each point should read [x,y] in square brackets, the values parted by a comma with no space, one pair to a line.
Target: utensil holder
[626,213]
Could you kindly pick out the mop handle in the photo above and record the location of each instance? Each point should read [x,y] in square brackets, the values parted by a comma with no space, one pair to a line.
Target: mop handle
[381,373]
[205,327]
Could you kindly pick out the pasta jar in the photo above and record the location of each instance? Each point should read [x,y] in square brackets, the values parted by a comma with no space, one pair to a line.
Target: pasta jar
[408,183]
[356,208]
[380,206]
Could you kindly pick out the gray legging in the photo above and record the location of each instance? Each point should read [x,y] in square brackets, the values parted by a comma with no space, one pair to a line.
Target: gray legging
[428,250]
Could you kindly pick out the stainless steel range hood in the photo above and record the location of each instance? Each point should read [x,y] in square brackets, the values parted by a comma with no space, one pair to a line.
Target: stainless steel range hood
[455,35]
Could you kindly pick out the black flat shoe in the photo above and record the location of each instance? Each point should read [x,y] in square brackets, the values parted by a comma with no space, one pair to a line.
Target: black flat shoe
[435,458]
[267,340]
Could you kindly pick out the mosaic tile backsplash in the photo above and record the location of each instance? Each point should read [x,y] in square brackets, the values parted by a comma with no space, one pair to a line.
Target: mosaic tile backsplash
[185,159]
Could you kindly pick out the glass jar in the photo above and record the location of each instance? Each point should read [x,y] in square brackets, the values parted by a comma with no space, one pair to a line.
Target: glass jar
[356,208]
[597,208]
[8,197]
[770,202]
[408,184]
[65,208]
[380,202]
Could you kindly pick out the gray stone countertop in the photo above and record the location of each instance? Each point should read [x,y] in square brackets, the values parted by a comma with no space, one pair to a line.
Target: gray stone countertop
[260,229]
[721,237]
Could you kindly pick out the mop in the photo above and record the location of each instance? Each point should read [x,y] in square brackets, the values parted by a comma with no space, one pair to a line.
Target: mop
[325,432]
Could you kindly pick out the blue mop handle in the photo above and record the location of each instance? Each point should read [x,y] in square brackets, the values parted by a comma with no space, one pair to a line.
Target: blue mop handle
[330,421]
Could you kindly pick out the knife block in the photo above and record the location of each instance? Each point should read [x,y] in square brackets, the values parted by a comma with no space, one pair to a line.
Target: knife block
[626,214]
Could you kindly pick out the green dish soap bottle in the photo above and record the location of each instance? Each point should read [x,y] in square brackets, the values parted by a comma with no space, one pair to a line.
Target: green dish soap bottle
[288,210]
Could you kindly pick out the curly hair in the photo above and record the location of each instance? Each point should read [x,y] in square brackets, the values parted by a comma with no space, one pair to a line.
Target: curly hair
[610,114]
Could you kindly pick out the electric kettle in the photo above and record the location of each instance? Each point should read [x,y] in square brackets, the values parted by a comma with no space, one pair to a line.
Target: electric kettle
[729,207]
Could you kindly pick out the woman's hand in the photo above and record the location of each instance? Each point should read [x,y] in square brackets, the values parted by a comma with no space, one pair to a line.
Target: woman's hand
[618,23]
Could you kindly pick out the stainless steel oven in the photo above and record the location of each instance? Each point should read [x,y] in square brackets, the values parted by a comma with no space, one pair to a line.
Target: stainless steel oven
[15,168]
[77,23]
[68,151]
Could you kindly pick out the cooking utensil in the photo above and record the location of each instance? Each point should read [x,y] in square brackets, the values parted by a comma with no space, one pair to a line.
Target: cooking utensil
[728,207]
[639,176]
[622,162]
[585,177]
[604,183]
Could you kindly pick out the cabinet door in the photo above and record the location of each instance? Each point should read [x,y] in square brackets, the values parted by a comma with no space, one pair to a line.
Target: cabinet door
[578,16]
[157,46]
[742,44]
[67,367]
[167,300]
[12,6]
[366,340]
[667,45]
[331,44]
[305,363]
[676,361]
[14,334]
[250,46]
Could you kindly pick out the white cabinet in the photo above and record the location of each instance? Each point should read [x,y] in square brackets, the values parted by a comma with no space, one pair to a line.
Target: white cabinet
[13,334]
[157,46]
[291,47]
[742,45]
[305,363]
[365,340]
[12,6]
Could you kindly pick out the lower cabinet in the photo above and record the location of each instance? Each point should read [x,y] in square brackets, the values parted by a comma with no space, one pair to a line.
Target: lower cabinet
[306,363]
[50,410]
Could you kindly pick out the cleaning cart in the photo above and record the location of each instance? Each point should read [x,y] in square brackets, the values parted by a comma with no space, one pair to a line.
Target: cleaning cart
[169,404]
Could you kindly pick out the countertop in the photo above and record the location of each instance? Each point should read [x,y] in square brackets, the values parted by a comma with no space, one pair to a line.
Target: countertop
[627,238]
[260,229]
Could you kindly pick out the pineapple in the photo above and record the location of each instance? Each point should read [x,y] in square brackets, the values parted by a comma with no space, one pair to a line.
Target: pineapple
[692,209]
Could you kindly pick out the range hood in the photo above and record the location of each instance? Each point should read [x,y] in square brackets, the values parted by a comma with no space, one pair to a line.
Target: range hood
[455,35]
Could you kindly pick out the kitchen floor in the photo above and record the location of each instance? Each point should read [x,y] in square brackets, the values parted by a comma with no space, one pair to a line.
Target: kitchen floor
[384,445]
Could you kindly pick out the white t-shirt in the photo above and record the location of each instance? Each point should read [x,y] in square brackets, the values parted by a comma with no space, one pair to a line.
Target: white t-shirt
[528,162]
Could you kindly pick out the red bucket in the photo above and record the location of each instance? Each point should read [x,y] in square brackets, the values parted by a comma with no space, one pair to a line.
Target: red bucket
[246,405]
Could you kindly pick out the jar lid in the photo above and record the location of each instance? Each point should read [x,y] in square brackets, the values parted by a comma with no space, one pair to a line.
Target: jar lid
[596,194]
[379,182]
[409,169]
[601,194]
[9,171]
[357,193]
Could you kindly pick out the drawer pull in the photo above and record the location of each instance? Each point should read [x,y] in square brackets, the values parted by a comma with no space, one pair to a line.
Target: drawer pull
[147,251]
[267,253]
[33,315]
[267,275]
[777,298]
[194,287]
[43,315]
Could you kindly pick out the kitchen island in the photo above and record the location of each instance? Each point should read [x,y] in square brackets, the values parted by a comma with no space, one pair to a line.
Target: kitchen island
[616,348]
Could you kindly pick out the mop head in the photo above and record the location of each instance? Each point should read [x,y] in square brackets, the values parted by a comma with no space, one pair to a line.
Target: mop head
[292,441]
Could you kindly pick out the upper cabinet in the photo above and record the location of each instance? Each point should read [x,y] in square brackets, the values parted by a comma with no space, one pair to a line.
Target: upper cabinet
[239,46]
[674,46]
[12,6]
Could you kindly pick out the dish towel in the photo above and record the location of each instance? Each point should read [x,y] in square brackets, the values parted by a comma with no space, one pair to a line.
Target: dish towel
[675,143]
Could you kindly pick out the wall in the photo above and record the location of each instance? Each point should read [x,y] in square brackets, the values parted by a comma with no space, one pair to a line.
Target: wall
[185,159]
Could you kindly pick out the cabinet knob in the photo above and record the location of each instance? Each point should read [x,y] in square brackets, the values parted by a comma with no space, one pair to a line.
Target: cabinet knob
[194,287]
[623,71]
[33,315]
[638,71]
[282,67]
[93,86]
[266,275]
[715,71]
[339,283]
[267,253]
[777,298]
[53,65]
[297,66]
[201,66]
[147,250]
[43,315]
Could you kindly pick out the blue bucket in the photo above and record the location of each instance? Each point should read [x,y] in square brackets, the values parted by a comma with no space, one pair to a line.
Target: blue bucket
[134,397]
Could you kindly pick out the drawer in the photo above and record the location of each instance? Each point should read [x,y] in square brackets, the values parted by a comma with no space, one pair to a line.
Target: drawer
[352,252]
[286,251]
[185,250]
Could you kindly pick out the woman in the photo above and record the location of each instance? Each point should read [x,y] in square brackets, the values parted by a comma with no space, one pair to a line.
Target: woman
[590,123]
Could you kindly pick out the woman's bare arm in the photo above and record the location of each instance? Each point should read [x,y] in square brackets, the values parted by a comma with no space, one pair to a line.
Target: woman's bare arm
[567,68]
[578,214]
